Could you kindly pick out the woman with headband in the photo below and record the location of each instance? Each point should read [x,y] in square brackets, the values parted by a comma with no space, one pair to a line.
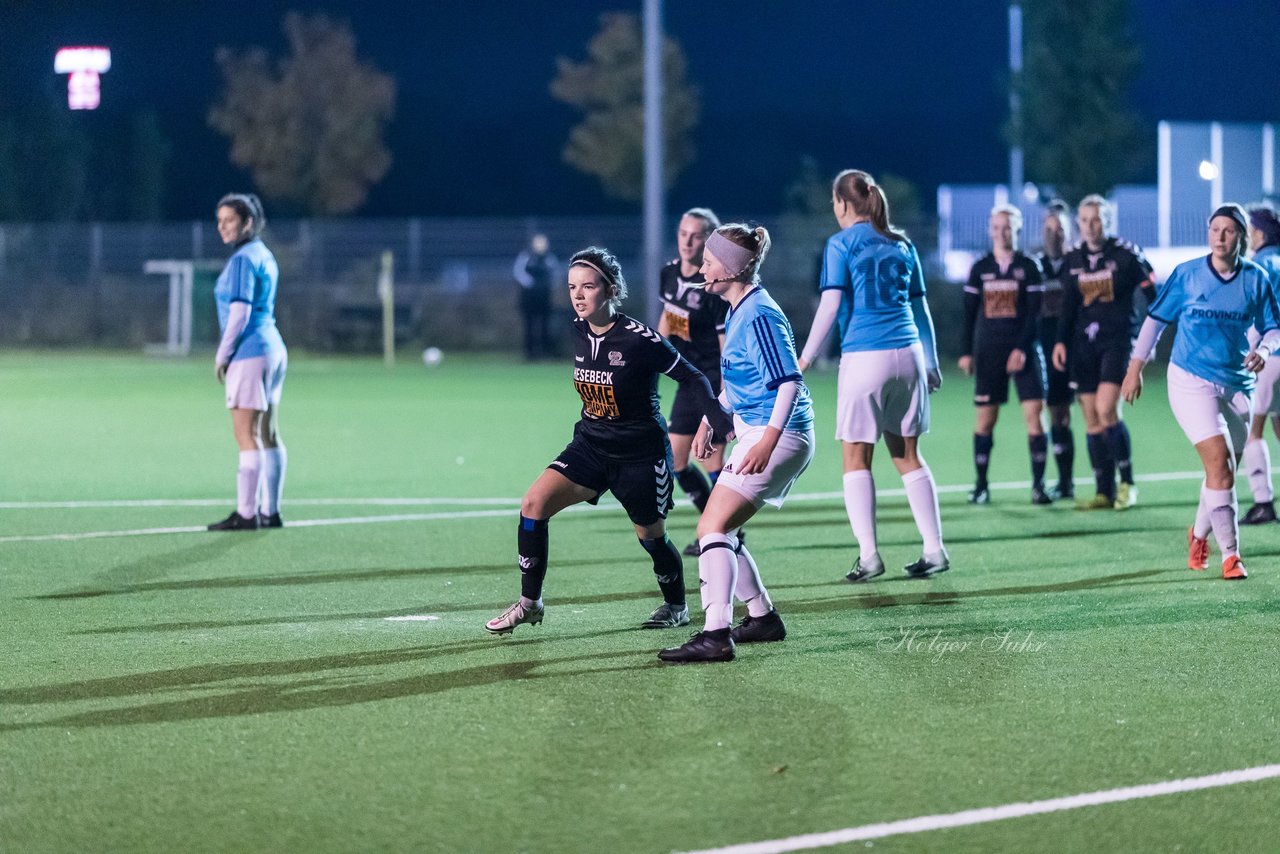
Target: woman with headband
[251,362]
[873,284]
[619,445]
[773,420]
[1264,242]
[1215,300]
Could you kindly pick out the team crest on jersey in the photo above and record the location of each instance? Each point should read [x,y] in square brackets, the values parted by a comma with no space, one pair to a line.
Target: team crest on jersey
[615,359]
[695,300]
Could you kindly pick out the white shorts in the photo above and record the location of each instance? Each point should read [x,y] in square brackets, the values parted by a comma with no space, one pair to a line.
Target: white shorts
[882,391]
[1204,410]
[790,458]
[1265,399]
[257,382]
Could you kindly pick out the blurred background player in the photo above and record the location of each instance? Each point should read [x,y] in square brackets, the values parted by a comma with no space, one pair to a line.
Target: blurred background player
[1055,233]
[1264,241]
[693,321]
[251,361]
[619,444]
[1214,300]
[1001,341]
[873,285]
[773,419]
[536,270]
[1099,277]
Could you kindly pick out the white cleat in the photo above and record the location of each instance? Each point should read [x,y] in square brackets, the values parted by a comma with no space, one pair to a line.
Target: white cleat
[516,615]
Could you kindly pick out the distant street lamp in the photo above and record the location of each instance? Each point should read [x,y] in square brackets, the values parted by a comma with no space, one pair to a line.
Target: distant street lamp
[83,64]
[1209,170]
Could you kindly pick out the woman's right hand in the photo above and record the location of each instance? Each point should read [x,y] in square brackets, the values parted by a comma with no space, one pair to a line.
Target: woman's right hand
[220,373]
[702,446]
[1059,357]
[966,365]
[1131,388]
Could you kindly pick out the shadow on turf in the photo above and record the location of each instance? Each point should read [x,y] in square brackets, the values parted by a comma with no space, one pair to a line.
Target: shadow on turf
[329,689]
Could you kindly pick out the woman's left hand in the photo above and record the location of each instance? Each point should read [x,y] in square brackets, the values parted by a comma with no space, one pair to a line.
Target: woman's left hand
[754,461]
[220,372]
[1016,362]
[1254,361]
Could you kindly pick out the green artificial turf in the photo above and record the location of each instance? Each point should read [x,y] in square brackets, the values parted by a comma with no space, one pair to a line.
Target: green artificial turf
[247,692]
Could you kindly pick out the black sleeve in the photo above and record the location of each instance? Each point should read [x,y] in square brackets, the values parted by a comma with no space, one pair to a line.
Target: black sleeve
[972,301]
[683,372]
[1035,294]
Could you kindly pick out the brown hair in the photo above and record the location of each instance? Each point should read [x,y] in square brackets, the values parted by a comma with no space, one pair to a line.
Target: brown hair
[248,207]
[861,192]
[604,263]
[754,239]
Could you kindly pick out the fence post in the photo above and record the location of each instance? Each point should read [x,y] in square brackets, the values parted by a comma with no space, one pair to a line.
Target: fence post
[415,250]
[95,279]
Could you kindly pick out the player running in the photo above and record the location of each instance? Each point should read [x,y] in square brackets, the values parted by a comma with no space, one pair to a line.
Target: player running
[1094,335]
[773,418]
[873,284]
[620,443]
[1264,240]
[1054,234]
[1001,341]
[693,321]
[251,361]
[1214,300]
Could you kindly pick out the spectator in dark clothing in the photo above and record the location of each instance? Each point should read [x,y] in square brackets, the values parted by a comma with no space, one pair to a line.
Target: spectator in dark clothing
[536,269]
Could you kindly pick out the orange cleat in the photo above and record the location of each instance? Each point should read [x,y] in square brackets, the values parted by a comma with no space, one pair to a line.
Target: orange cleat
[1197,551]
[1233,569]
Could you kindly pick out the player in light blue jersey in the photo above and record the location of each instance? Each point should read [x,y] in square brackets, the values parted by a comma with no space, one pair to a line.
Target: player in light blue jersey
[1264,241]
[1215,300]
[251,361]
[873,284]
[773,422]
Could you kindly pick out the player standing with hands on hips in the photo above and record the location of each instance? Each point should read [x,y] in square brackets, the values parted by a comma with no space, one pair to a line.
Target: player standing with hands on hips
[1215,300]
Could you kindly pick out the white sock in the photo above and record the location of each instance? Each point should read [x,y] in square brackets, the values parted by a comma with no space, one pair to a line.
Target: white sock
[1203,524]
[1257,465]
[274,462]
[1222,513]
[247,483]
[717,570]
[749,588]
[922,495]
[860,504]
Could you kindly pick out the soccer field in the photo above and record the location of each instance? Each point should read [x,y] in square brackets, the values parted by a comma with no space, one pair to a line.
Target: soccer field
[330,687]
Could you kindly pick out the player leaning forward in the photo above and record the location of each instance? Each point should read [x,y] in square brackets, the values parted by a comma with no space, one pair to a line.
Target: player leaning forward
[1214,300]
[773,419]
[620,443]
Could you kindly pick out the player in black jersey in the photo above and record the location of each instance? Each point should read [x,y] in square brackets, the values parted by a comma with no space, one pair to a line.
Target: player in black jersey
[1001,329]
[693,321]
[1099,277]
[1054,235]
[620,444]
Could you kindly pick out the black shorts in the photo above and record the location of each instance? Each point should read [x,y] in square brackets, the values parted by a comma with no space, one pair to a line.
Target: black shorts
[686,412]
[643,488]
[991,380]
[1059,391]
[1103,360]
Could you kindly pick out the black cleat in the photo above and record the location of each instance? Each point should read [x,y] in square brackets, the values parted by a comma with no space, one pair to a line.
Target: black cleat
[270,520]
[1260,513]
[929,565]
[236,522]
[692,550]
[1039,496]
[861,571]
[980,495]
[766,629]
[700,648]
[1063,492]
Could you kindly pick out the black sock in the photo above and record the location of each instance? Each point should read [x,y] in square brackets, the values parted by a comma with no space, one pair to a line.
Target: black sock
[531,541]
[982,446]
[1039,446]
[668,567]
[1104,469]
[1064,453]
[1118,444]
[695,485]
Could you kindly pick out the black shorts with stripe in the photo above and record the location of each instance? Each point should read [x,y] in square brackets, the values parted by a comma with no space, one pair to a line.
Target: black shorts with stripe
[642,487]
[991,379]
[1102,360]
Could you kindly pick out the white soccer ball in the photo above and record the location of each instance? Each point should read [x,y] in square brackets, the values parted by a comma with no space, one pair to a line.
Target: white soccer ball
[432,356]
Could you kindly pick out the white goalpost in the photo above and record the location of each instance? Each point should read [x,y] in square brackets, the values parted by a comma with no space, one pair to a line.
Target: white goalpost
[181,275]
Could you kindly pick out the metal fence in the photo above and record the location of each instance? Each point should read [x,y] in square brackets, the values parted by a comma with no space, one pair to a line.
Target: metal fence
[83,284]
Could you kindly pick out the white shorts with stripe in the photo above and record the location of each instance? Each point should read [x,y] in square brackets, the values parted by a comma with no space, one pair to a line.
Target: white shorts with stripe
[790,457]
[882,391]
[1265,399]
[1204,410]
[257,382]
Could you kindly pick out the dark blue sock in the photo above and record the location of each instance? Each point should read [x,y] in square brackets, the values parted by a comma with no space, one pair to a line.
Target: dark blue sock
[714,476]
[696,485]
[531,542]
[1120,447]
[1039,447]
[1104,469]
[668,567]
[1064,453]
[982,446]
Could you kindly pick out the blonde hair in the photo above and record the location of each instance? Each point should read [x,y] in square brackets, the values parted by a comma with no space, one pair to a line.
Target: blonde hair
[1105,211]
[754,239]
[861,192]
[1011,211]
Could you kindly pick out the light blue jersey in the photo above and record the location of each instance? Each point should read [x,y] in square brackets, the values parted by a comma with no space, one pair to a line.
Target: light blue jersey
[759,355]
[879,277]
[251,277]
[1214,316]
[1268,258]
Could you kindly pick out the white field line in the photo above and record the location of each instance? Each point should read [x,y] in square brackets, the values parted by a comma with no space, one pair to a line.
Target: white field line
[1000,813]
[438,516]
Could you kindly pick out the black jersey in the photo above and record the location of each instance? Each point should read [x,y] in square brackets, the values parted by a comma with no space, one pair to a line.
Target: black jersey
[616,375]
[695,318]
[1097,288]
[1051,298]
[1002,304]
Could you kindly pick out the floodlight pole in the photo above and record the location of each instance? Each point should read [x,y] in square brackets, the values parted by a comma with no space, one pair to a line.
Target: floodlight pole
[653,155]
[1016,173]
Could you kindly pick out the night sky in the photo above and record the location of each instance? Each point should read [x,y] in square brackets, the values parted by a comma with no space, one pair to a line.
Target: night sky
[908,87]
